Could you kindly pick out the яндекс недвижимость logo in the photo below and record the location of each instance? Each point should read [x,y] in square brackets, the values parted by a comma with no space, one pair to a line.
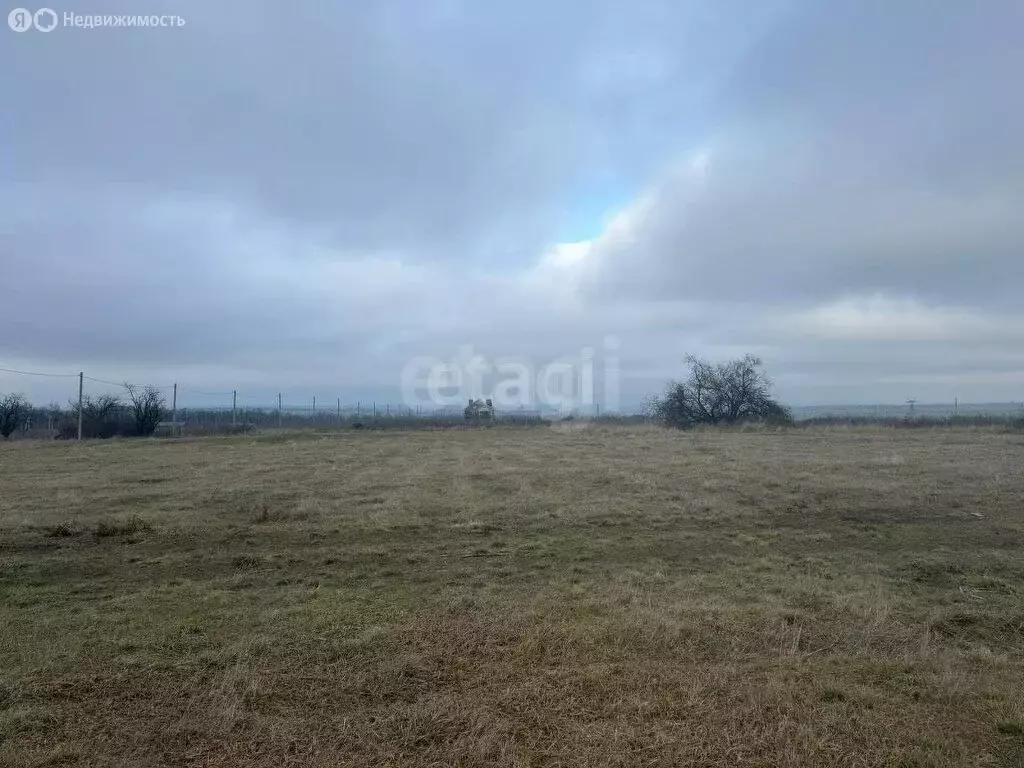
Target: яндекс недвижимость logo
[22,19]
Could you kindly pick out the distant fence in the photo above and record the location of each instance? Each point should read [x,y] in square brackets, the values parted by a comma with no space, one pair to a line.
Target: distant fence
[240,412]
[237,415]
[62,423]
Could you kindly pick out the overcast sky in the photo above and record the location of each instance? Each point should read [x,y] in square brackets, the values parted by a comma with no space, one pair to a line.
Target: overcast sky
[304,197]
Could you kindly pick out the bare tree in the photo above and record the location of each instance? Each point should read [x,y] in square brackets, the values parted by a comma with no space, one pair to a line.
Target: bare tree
[147,406]
[718,393]
[53,414]
[14,409]
[99,417]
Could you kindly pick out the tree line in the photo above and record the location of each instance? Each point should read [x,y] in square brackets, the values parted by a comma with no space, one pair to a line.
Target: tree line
[137,413]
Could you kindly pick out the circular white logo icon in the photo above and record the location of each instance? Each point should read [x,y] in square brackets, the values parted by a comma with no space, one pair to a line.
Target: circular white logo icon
[45,19]
[20,20]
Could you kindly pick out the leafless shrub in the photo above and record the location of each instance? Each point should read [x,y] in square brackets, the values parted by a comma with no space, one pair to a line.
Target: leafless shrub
[99,417]
[14,409]
[733,392]
[147,407]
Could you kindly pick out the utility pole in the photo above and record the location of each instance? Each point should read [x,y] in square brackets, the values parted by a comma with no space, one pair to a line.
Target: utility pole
[81,380]
[234,405]
[358,405]
[339,409]
[174,408]
[314,406]
[278,410]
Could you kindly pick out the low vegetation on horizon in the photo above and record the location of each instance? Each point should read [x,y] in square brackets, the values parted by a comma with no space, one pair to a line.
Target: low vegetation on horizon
[726,394]
[566,596]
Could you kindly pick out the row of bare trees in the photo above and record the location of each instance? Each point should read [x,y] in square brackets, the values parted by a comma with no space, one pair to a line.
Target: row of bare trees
[139,412]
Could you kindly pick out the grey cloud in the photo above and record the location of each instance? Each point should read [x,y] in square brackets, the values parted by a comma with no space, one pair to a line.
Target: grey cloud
[864,146]
[112,277]
[319,193]
[424,126]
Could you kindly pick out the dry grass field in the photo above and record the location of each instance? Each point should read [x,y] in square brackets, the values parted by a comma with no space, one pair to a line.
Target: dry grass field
[601,597]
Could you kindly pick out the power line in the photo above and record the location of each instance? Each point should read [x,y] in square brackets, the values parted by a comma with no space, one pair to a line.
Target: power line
[33,373]
[104,381]
[87,378]
[123,383]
